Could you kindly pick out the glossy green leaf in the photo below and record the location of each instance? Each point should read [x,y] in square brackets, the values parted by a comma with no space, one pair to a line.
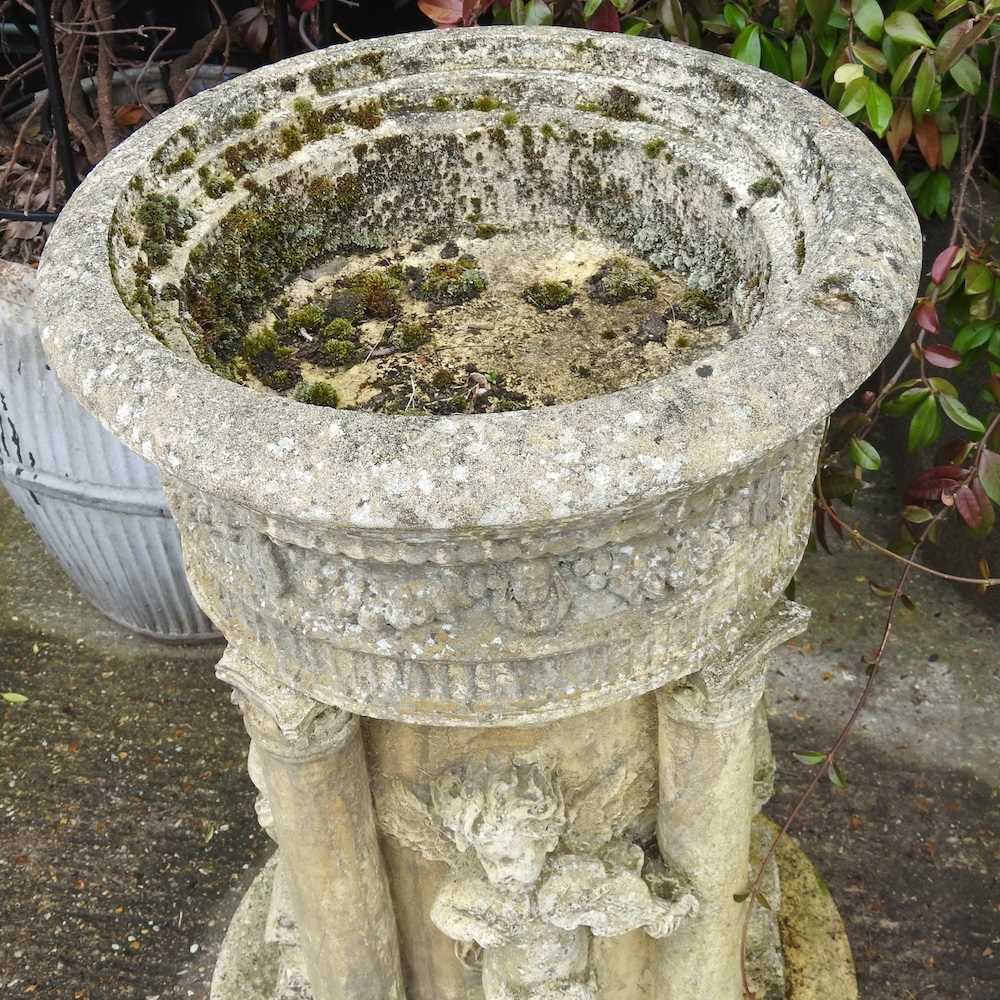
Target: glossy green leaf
[943,386]
[923,88]
[972,335]
[836,776]
[734,16]
[868,17]
[902,72]
[879,107]
[958,414]
[747,47]
[989,474]
[13,698]
[847,72]
[870,57]
[925,425]
[864,454]
[819,11]
[966,74]
[949,146]
[590,8]
[978,278]
[902,404]
[798,56]
[810,757]
[774,58]
[902,26]
[537,14]
[917,515]
[855,95]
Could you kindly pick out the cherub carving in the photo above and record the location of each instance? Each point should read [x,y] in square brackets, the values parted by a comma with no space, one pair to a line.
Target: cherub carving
[530,906]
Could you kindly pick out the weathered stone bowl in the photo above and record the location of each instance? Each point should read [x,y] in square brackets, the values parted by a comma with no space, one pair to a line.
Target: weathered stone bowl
[496,570]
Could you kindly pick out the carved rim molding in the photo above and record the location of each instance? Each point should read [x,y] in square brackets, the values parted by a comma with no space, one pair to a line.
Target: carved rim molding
[836,251]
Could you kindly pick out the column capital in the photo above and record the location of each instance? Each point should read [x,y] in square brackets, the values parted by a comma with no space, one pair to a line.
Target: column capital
[279,719]
[728,690]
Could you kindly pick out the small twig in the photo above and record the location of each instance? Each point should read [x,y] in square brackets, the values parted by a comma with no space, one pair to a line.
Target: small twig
[340,31]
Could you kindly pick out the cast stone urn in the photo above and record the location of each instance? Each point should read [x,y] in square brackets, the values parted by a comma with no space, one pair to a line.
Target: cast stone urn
[502,666]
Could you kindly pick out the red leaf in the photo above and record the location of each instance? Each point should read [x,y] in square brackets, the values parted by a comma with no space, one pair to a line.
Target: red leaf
[968,506]
[442,11]
[942,263]
[943,357]
[929,140]
[899,131]
[927,317]
[304,6]
[606,18]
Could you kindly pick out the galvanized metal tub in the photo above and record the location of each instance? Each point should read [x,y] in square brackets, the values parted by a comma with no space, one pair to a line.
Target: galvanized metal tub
[98,507]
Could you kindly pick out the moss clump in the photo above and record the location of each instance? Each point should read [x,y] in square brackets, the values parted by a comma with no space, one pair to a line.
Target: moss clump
[548,131]
[486,231]
[245,156]
[309,317]
[165,223]
[190,132]
[316,393]
[449,282]
[269,360]
[368,115]
[339,328]
[697,307]
[291,139]
[248,119]
[337,352]
[181,161]
[509,119]
[766,187]
[617,280]
[621,104]
[441,103]
[409,336]
[549,294]
[323,78]
[442,379]
[654,147]
[485,102]
[310,120]
[215,185]
[378,294]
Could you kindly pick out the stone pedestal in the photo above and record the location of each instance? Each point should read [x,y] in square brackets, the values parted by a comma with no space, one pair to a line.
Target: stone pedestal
[502,672]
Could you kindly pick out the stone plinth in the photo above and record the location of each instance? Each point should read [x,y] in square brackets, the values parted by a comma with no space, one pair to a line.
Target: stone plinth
[502,672]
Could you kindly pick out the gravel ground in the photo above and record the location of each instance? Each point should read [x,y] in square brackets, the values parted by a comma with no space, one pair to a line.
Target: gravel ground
[128,836]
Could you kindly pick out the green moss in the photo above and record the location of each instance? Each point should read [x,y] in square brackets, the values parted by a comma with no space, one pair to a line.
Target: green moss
[309,317]
[291,139]
[316,393]
[409,336]
[190,132]
[373,60]
[449,282]
[549,294]
[485,102]
[340,328]
[766,187]
[245,156]
[338,352]
[378,293]
[442,103]
[271,362]
[248,119]
[183,159]
[697,307]
[215,185]
[618,280]
[311,121]
[323,78]
[654,147]
[549,132]
[165,223]
[509,119]
[442,379]
[367,115]
[486,231]
[800,251]
[621,104]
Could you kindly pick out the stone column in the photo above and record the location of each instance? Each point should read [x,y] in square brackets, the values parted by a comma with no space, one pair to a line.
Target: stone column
[311,762]
[707,738]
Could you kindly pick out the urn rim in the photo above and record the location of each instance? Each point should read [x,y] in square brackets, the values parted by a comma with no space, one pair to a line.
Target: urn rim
[366,471]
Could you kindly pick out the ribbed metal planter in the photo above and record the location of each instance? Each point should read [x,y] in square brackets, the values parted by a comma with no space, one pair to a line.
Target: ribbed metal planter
[97,506]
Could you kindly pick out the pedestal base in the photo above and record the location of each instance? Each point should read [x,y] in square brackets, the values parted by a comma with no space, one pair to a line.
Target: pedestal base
[817,954]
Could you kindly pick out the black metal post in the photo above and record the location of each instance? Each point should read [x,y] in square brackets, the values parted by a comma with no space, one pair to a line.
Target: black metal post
[57,105]
[281,27]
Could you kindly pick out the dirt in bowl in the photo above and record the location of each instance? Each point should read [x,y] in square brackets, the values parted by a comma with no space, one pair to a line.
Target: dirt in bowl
[492,322]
